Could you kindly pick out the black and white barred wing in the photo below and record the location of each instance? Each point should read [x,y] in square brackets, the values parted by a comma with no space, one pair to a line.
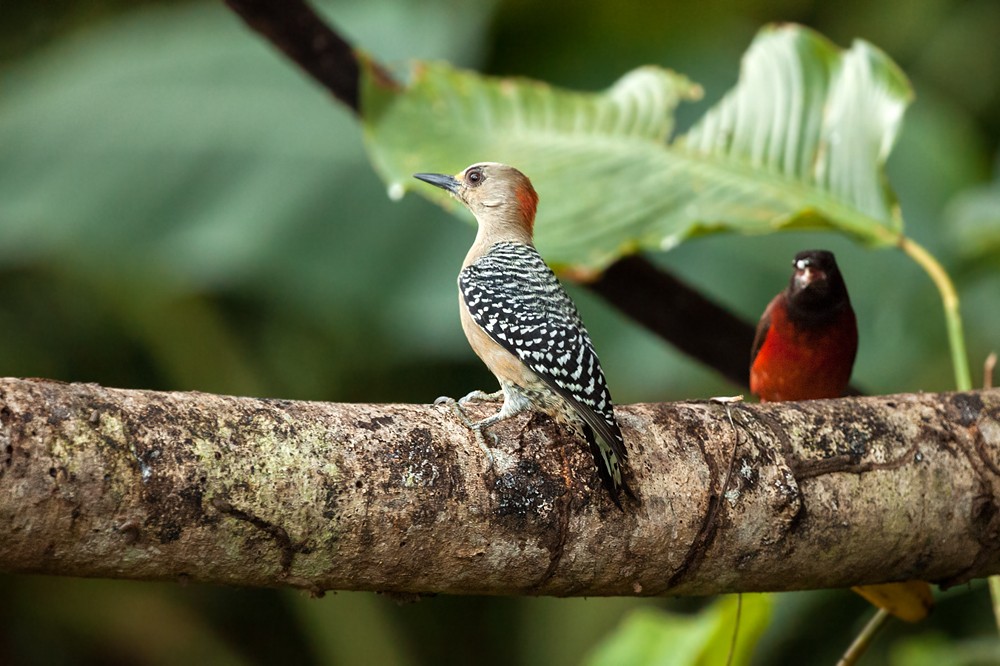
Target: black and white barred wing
[513,295]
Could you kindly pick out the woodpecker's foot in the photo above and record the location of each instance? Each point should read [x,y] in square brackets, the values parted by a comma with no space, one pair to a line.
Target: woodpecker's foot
[487,449]
[476,427]
[459,412]
[483,433]
[480,396]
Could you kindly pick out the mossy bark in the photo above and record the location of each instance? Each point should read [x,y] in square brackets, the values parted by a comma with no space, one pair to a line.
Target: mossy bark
[738,497]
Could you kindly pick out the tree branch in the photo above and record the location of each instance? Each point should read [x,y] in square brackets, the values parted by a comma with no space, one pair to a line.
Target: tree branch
[677,312]
[295,28]
[148,485]
[653,297]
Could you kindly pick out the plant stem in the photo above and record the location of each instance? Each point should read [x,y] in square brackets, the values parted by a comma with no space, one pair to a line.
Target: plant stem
[949,299]
[994,582]
[864,639]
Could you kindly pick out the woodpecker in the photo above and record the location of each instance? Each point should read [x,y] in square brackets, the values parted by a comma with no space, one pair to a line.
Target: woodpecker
[522,324]
[804,349]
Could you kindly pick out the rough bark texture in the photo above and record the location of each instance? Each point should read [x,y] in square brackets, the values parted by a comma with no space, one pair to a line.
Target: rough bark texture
[141,484]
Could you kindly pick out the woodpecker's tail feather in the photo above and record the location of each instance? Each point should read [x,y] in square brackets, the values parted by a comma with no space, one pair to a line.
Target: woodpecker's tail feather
[603,454]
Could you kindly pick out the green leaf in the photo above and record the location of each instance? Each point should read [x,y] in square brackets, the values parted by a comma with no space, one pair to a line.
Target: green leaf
[799,142]
[649,636]
[814,125]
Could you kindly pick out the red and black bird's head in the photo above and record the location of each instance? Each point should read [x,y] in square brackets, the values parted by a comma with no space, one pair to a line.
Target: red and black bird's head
[807,338]
[816,290]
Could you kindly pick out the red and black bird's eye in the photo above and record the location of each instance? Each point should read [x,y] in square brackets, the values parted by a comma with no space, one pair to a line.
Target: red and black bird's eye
[474,177]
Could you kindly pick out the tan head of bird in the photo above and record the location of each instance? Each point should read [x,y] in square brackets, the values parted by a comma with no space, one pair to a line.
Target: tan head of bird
[497,194]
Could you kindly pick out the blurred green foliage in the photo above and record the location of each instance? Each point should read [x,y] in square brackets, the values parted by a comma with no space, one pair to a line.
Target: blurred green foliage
[181,209]
[649,637]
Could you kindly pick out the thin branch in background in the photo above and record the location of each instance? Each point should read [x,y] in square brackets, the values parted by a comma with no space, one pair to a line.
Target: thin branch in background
[295,28]
[675,311]
[864,639]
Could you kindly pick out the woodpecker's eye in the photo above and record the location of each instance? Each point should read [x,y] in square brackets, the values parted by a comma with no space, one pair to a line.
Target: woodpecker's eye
[474,177]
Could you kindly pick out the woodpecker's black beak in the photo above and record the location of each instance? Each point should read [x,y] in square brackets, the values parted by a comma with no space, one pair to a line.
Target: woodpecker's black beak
[449,183]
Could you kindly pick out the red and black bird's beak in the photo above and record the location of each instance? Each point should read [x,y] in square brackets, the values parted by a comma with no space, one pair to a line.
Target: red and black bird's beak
[445,182]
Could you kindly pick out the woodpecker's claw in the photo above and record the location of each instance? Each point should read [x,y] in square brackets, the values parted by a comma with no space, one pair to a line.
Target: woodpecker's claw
[456,407]
[480,396]
[475,426]
[487,449]
[479,427]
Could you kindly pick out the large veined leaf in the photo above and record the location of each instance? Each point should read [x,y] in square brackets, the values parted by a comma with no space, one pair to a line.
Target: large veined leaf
[800,141]
[811,123]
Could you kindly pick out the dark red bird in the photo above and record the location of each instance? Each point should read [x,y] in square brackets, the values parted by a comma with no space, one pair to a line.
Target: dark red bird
[807,338]
[804,350]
